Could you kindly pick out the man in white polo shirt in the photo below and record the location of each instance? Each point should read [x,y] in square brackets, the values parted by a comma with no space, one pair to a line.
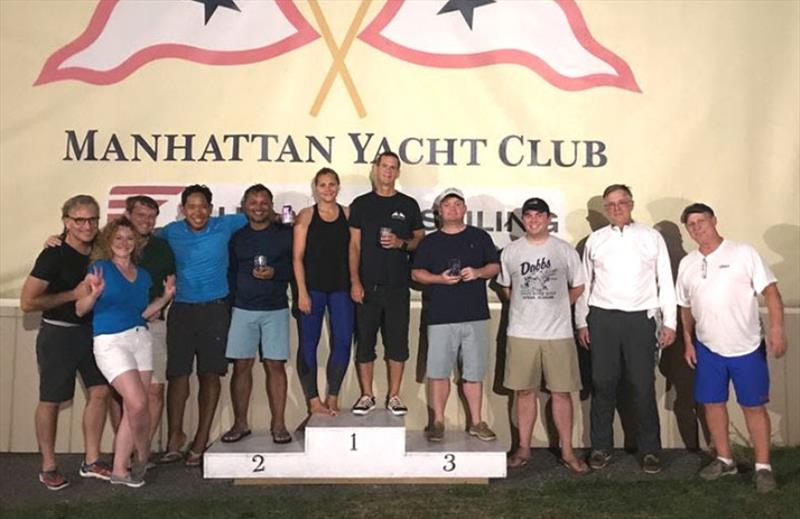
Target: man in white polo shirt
[717,290]
[629,284]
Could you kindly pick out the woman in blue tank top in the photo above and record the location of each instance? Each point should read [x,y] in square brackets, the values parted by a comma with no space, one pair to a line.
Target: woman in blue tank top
[118,292]
[321,243]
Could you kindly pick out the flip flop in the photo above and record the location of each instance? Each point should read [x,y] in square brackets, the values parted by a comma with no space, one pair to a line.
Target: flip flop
[281,436]
[193,459]
[170,457]
[516,462]
[234,436]
[174,455]
[577,471]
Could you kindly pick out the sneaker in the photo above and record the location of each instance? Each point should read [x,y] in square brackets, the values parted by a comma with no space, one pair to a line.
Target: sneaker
[435,432]
[138,470]
[599,459]
[53,479]
[651,464]
[482,432]
[364,405]
[764,481]
[717,469]
[97,470]
[396,406]
[127,480]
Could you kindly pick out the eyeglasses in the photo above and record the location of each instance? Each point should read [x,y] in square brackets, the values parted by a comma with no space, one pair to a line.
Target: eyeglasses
[617,205]
[80,222]
[704,269]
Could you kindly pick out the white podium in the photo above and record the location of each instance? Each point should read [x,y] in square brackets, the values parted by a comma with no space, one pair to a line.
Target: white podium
[357,449]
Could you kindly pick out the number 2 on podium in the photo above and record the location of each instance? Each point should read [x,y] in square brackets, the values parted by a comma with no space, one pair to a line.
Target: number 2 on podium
[258,459]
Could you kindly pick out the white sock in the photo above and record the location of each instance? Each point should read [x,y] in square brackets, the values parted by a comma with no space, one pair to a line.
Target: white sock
[726,461]
[763,466]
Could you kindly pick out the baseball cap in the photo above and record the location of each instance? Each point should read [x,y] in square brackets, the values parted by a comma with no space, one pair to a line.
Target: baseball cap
[450,191]
[535,204]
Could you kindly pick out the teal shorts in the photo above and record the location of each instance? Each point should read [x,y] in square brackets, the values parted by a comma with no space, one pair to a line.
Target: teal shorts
[256,332]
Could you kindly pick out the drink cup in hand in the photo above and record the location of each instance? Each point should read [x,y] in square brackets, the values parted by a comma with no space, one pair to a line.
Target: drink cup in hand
[454,266]
[260,262]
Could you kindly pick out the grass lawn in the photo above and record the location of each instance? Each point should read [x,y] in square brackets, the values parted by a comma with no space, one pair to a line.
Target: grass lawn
[594,496]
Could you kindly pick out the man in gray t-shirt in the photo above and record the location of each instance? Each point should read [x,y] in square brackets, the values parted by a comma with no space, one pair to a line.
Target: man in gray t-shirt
[542,276]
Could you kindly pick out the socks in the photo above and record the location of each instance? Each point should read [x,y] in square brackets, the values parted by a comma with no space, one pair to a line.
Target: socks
[763,466]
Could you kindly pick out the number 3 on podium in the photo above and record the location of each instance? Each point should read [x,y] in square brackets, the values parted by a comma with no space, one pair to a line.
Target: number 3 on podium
[450,463]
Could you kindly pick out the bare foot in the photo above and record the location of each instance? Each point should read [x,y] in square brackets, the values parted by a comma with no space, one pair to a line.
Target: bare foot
[315,406]
[177,442]
[332,402]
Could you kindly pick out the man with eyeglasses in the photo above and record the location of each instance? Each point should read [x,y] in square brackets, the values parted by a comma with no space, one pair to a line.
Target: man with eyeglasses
[717,289]
[64,343]
[627,312]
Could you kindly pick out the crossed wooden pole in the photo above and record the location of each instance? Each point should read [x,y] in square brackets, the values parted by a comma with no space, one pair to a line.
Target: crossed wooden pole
[338,66]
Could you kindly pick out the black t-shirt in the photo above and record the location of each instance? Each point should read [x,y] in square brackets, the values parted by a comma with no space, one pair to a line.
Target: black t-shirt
[63,268]
[159,261]
[466,300]
[370,212]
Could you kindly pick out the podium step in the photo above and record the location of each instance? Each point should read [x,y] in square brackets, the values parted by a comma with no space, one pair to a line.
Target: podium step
[347,447]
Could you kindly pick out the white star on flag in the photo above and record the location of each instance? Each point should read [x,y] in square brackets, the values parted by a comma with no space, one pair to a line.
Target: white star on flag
[547,36]
[123,35]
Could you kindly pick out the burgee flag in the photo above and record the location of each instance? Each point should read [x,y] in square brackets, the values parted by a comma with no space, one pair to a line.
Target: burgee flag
[123,35]
[547,36]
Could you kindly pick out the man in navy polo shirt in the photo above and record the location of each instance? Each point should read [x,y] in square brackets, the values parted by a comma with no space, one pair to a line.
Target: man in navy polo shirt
[454,263]
[259,272]
[197,325]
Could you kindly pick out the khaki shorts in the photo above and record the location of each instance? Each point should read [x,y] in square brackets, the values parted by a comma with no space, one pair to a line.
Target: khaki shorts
[158,329]
[527,360]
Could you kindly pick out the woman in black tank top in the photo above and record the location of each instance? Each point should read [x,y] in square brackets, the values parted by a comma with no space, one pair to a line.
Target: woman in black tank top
[321,244]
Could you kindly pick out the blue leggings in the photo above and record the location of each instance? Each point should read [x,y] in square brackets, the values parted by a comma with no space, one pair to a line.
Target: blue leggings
[342,317]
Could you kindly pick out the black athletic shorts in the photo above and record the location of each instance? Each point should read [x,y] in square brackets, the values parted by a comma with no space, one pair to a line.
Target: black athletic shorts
[61,351]
[385,308]
[199,329]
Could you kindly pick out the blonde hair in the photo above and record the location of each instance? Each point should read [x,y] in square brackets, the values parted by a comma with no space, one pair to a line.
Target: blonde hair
[102,244]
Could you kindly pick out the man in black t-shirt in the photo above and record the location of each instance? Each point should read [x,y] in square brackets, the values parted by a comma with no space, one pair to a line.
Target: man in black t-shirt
[454,264]
[385,225]
[64,343]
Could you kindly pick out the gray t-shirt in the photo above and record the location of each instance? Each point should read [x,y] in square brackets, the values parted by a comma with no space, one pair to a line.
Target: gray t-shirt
[539,277]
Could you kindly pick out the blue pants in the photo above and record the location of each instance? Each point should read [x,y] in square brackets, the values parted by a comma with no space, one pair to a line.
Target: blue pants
[342,317]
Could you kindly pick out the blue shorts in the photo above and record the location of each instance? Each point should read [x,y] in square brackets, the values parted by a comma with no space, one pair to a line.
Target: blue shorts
[265,333]
[749,373]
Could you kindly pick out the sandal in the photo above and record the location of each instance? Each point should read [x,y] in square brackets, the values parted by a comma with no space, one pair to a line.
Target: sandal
[193,459]
[174,455]
[281,435]
[234,436]
[516,462]
[577,467]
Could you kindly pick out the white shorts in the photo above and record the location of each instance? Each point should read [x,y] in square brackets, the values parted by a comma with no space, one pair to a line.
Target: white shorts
[158,329]
[116,353]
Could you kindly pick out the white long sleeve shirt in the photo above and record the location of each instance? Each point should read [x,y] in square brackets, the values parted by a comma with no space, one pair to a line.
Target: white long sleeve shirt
[627,269]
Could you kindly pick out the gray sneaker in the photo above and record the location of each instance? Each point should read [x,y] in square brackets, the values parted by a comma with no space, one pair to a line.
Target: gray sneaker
[482,432]
[138,470]
[599,459]
[364,405]
[435,432]
[764,481]
[396,406]
[126,480]
[717,469]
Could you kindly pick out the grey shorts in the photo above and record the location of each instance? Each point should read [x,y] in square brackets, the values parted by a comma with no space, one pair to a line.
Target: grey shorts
[449,343]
